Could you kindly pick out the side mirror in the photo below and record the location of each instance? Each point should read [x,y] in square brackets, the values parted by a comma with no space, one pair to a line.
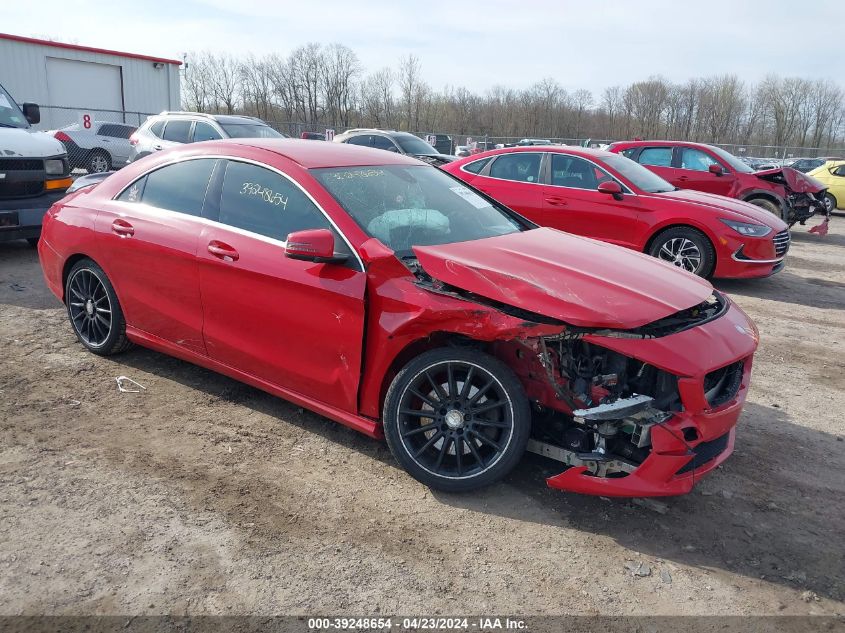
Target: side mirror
[715,169]
[313,245]
[611,187]
[32,113]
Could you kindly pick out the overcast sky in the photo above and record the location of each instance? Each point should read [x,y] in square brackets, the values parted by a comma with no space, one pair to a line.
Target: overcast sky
[477,43]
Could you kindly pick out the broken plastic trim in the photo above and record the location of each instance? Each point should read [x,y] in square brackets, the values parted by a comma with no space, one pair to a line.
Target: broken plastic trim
[715,306]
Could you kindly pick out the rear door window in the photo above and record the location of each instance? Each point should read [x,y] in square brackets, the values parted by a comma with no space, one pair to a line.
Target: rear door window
[157,128]
[518,166]
[656,156]
[475,167]
[179,187]
[178,131]
[205,132]
[382,142]
[576,173]
[361,139]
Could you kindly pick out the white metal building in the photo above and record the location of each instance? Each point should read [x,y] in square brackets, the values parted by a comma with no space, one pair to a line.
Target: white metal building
[67,80]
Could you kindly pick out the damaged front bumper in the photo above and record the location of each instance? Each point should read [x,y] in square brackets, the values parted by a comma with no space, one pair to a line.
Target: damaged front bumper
[667,449]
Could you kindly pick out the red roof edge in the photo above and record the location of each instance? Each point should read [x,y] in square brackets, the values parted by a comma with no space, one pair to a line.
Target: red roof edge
[89,49]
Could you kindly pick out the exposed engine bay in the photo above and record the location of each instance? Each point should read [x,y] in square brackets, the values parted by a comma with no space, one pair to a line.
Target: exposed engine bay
[611,402]
[594,407]
[804,195]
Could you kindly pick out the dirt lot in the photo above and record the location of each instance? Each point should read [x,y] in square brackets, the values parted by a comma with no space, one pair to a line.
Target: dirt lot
[201,495]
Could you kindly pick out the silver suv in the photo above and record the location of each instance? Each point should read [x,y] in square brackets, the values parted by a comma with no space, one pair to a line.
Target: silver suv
[169,129]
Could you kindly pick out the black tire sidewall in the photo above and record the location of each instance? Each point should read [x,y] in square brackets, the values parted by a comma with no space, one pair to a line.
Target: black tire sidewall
[115,341]
[521,412]
[772,207]
[705,247]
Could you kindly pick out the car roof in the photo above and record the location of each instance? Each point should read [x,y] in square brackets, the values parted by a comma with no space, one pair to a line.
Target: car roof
[652,142]
[584,152]
[314,155]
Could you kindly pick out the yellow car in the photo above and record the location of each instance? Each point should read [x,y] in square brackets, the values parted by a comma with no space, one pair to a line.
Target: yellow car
[832,175]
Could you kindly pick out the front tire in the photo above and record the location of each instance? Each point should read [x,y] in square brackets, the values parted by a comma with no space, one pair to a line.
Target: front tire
[830,202]
[769,206]
[456,419]
[686,248]
[94,311]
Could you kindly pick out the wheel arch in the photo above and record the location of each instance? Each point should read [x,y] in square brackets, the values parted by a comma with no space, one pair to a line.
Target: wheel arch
[435,340]
[771,196]
[678,224]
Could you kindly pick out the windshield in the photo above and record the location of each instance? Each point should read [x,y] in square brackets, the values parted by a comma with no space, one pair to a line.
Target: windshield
[10,113]
[733,162]
[410,205]
[250,130]
[411,144]
[637,175]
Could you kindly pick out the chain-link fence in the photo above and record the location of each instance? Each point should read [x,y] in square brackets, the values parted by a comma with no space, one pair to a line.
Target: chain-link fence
[58,117]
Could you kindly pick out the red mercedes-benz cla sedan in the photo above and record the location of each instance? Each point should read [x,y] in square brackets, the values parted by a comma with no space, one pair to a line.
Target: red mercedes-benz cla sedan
[386,295]
[611,198]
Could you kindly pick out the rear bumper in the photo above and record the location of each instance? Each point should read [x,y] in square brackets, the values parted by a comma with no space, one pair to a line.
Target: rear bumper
[30,214]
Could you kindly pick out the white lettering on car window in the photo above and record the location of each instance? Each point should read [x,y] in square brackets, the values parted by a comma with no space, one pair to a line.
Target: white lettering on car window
[264,193]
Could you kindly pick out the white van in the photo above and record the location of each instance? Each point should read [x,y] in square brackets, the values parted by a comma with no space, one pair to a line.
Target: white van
[34,171]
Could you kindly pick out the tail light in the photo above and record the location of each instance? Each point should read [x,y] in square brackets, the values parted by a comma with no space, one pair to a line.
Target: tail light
[61,136]
[304,135]
[133,139]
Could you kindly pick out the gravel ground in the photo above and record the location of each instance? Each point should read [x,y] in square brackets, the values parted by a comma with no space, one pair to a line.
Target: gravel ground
[204,496]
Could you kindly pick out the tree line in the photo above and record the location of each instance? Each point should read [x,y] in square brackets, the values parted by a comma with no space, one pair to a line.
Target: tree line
[327,86]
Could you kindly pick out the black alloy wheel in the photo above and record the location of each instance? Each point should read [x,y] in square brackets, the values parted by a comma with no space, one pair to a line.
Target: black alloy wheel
[457,420]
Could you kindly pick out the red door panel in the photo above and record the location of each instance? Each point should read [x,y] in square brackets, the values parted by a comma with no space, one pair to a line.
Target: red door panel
[150,255]
[296,324]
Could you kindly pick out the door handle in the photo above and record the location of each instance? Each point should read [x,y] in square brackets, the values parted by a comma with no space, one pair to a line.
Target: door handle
[223,251]
[158,147]
[122,228]
[683,178]
[556,201]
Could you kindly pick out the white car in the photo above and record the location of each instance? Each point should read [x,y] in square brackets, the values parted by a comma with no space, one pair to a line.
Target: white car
[103,147]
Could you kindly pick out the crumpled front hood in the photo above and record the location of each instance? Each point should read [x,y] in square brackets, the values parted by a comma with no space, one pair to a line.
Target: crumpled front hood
[17,142]
[577,280]
[727,207]
[793,179]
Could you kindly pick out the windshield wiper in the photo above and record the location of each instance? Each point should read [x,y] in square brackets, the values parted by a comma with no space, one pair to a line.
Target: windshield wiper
[9,125]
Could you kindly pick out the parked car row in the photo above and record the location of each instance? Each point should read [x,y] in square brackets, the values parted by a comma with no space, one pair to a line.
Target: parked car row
[391,297]
[609,197]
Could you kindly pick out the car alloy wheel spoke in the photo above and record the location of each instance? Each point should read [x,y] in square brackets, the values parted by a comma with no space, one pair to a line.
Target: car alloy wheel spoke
[439,429]
[419,429]
[91,312]
[431,442]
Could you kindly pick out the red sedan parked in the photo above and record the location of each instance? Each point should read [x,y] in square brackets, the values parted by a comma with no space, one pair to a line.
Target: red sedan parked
[611,198]
[384,294]
[785,192]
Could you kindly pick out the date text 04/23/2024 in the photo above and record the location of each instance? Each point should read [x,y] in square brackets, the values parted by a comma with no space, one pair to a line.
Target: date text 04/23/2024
[478,623]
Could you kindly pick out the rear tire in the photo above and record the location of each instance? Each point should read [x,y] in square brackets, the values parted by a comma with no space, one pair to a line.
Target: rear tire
[94,311]
[686,248]
[456,419]
[769,206]
[32,241]
[98,162]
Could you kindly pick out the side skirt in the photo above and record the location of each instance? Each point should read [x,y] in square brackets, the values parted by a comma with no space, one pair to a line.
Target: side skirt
[359,423]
